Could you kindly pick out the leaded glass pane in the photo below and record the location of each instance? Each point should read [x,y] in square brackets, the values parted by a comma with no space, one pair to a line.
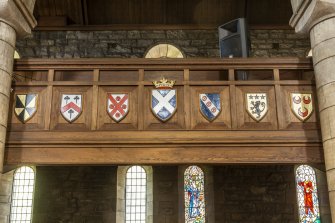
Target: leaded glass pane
[136,185]
[22,195]
[194,195]
[307,194]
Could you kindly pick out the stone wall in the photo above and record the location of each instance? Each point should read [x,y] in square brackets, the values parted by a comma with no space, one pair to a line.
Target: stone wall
[165,192]
[134,43]
[242,194]
[250,194]
[6,184]
[75,194]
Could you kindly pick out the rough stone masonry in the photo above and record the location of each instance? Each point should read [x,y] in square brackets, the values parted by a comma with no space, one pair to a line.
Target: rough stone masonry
[135,43]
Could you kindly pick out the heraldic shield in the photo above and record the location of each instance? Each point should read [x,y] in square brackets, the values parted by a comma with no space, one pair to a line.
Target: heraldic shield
[71,106]
[210,105]
[301,105]
[164,100]
[25,106]
[117,106]
[256,105]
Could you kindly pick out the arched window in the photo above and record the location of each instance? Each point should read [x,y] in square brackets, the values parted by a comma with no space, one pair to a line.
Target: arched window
[22,195]
[164,50]
[307,194]
[194,184]
[136,195]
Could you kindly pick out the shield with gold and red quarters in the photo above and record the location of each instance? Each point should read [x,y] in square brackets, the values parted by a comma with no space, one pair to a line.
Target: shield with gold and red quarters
[117,106]
[302,105]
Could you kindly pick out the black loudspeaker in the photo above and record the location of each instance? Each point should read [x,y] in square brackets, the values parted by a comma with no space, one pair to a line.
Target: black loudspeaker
[233,39]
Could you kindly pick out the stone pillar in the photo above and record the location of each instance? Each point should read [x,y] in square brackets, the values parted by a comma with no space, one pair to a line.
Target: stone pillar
[16,19]
[318,18]
[7,43]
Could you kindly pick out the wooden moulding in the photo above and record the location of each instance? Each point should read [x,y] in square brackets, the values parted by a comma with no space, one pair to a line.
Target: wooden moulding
[137,138]
[172,64]
[61,155]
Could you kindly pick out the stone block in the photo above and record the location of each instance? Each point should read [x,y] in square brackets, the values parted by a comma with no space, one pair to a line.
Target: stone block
[327,122]
[133,34]
[326,96]
[144,43]
[7,57]
[4,198]
[262,35]
[4,102]
[322,31]
[153,34]
[198,42]
[84,35]
[324,50]
[5,83]
[118,35]
[70,35]
[331,179]
[2,134]
[4,218]
[99,35]
[329,151]
[7,33]
[4,208]
[176,34]
[324,72]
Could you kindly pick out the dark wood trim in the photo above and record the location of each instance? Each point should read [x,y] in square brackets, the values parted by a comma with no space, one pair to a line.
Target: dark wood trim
[116,138]
[154,27]
[164,155]
[169,64]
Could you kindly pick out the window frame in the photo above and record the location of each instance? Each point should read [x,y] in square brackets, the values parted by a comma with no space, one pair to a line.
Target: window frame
[121,193]
[316,193]
[12,194]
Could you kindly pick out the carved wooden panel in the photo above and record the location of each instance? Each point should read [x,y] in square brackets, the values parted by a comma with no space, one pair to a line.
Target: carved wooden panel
[244,120]
[83,122]
[129,122]
[290,121]
[223,120]
[37,122]
[177,121]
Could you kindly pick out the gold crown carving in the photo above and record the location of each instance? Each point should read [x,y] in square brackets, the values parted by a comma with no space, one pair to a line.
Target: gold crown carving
[164,83]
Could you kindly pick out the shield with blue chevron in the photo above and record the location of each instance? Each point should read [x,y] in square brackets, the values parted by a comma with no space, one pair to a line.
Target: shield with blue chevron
[164,100]
[210,105]
[25,106]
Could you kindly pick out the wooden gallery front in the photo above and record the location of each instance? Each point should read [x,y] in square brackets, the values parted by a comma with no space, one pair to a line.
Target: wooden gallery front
[124,112]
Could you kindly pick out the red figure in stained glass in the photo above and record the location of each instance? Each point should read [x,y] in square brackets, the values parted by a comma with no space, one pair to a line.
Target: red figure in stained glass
[308,195]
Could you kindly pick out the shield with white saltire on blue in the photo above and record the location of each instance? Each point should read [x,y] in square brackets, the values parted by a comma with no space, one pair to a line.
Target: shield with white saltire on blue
[164,103]
[210,105]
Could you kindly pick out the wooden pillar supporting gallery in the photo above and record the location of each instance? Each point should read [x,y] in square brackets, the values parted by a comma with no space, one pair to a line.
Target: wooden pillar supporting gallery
[16,20]
[318,18]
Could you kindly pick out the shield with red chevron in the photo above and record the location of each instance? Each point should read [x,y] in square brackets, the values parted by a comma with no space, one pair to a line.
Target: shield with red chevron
[71,106]
[117,106]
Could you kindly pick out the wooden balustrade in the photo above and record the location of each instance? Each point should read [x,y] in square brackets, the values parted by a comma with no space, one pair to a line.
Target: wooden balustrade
[94,138]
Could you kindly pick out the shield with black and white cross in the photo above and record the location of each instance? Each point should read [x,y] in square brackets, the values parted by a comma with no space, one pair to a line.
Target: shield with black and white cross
[71,106]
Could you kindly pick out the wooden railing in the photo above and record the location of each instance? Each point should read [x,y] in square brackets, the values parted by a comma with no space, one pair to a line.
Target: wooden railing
[188,137]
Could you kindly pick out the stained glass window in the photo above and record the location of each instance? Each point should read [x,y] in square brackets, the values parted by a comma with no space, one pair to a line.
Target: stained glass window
[307,194]
[22,195]
[136,185]
[194,195]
